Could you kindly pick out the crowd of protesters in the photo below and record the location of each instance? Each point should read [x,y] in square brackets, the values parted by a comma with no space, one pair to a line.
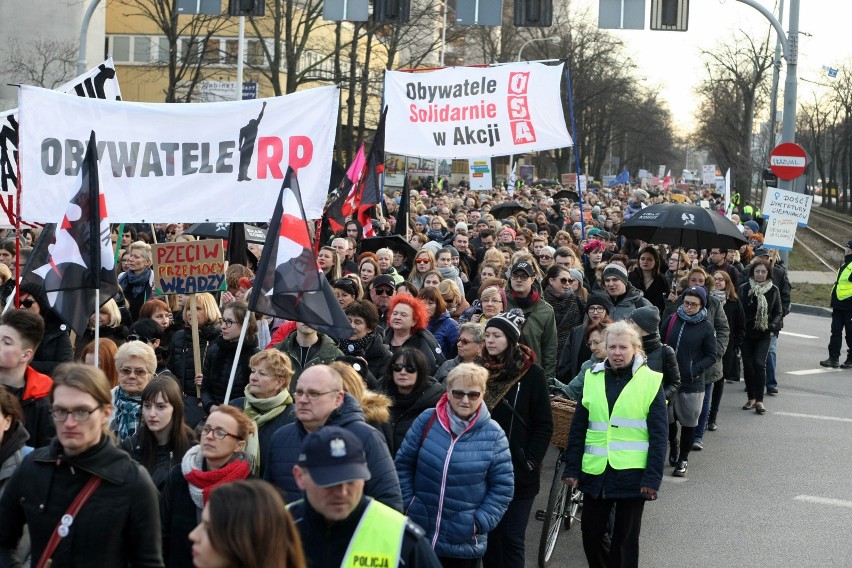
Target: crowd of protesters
[443,389]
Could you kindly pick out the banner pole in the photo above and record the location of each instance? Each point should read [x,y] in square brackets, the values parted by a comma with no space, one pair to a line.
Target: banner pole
[97,324]
[118,243]
[196,347]
[576,150]
[237,357]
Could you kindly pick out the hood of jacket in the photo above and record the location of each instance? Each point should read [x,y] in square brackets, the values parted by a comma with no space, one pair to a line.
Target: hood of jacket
[38,385]
[348,412]
[376,407]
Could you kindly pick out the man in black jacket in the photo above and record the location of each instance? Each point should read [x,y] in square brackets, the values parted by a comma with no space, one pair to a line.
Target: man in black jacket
[841,315]
[338,524]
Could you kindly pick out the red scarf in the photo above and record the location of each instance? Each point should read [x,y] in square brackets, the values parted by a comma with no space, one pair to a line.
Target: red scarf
[207,480]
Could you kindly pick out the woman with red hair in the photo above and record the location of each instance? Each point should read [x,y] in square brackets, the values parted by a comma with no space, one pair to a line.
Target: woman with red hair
[407,322]
[592,259]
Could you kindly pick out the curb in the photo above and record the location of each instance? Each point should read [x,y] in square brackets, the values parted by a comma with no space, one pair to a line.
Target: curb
[810,310]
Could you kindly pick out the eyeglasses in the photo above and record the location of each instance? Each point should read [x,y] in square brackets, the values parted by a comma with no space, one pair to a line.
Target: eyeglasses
[460,394]
[422,261]
[565,280]
[137,337]
[596,309]
[127,371]
[544,257]
[78,414]
[408,368]
[520,276]
[312,394]
[28,303]
[462,341]
[218,433]
[228,322]
[692,304]
[383,291]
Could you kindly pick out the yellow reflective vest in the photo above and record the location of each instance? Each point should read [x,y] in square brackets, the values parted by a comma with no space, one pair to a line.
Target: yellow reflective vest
[843,285]
[377,540]
[620,439]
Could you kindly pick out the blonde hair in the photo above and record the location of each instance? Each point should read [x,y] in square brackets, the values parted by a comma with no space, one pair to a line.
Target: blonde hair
[143,248]
[476,374]
[449,287]
[207,302]
[278,363]
[624,328]
[137,349]
[376,404]
[110,308]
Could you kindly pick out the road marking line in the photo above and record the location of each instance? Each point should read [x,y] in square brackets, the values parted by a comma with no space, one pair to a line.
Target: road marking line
[823,501]
[816,416]
[816,371]
[803,336]
[672,479]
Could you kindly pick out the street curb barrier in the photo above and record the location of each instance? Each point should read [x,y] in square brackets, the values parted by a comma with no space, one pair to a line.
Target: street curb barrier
[810,310]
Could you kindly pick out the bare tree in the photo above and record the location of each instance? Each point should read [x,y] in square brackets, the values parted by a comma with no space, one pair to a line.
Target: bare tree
[188,41]
[734,90]
[41,62]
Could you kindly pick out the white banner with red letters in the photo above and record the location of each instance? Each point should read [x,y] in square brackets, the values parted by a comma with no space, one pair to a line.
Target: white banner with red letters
[177,162]
[471,112]
[97,83]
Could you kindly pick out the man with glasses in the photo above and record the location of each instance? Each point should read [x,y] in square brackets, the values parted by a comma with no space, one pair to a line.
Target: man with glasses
[321,401]
[719,261]
[539,332]
[21,331]
[382,289]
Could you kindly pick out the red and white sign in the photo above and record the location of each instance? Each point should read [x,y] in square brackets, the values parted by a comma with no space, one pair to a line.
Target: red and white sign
[788,161]
[475,112]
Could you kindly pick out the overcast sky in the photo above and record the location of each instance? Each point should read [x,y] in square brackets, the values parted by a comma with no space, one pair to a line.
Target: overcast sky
[672,59]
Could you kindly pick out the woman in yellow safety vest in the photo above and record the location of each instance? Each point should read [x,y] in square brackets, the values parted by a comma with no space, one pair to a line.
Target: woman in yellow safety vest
[617,447]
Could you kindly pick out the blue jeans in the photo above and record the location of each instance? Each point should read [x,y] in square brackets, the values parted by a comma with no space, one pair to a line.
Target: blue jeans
[771,381]
[705,411]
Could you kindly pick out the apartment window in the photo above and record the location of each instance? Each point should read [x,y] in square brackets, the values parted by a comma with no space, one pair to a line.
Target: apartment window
[121,48]
[163,50]
[254,53]
[211,52]
[142,49]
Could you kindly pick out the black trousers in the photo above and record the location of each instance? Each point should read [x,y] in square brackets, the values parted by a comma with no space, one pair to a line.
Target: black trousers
[755,351]
[623,550]
[506,541]
[447,562]
[840,320]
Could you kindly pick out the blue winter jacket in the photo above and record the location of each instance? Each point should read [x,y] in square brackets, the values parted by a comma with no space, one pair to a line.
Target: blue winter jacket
[446,332]
[287,442]
[456,489]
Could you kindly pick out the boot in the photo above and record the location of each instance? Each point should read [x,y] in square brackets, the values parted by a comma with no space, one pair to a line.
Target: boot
[847,364]
[832,362]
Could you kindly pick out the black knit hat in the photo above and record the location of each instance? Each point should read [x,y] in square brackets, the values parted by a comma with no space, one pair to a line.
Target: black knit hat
[511,323]
[600,299]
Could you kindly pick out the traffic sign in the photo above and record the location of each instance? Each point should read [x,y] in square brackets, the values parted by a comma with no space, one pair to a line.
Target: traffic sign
[788,161]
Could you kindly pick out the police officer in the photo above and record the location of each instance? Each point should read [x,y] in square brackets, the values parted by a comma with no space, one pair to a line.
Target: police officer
[841,315]
[339,526]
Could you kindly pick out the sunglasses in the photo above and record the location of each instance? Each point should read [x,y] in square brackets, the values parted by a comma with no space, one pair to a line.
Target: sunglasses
[545,257]
[28,303]
[422,261]
[460,394]
[136,337]
[567,280]
[383,291]
[407,368]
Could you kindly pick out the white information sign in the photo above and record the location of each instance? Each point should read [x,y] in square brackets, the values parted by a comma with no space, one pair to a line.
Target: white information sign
[783,203]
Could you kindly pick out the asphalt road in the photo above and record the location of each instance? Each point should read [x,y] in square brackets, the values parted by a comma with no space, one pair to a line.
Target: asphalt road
[771,490]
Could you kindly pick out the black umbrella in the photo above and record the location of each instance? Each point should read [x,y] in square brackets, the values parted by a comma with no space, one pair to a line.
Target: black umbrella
[505,209]
[220,231]
[396,243]
[683,225]
[567,194]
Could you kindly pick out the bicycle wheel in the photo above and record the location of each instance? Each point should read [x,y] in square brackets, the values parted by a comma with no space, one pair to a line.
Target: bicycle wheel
[553,516]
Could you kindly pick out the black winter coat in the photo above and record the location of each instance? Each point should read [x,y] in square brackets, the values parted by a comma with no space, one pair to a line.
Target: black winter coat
[529,430]
[266,431]
[776,315]
[695,346]
[217,370]
[736,321]
[181,362]
[118,526]
[54,349]
[426,343]
[662,358]
[165,459]
[406,409]
[574,353]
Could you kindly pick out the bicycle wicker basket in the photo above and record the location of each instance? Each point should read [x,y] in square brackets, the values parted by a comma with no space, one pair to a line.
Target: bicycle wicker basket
[563,414]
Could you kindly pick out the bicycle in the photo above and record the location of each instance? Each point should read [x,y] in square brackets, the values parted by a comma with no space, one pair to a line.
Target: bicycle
[563,503]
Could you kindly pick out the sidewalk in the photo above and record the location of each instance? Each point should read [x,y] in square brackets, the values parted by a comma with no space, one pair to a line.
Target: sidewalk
[810,277]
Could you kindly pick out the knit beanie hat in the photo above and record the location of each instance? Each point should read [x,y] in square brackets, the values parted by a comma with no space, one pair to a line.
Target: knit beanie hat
[510,323]
[755,228]
[509,230]
[647,318]
[616,271]
[599,298]
[699,291]
[576,275]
